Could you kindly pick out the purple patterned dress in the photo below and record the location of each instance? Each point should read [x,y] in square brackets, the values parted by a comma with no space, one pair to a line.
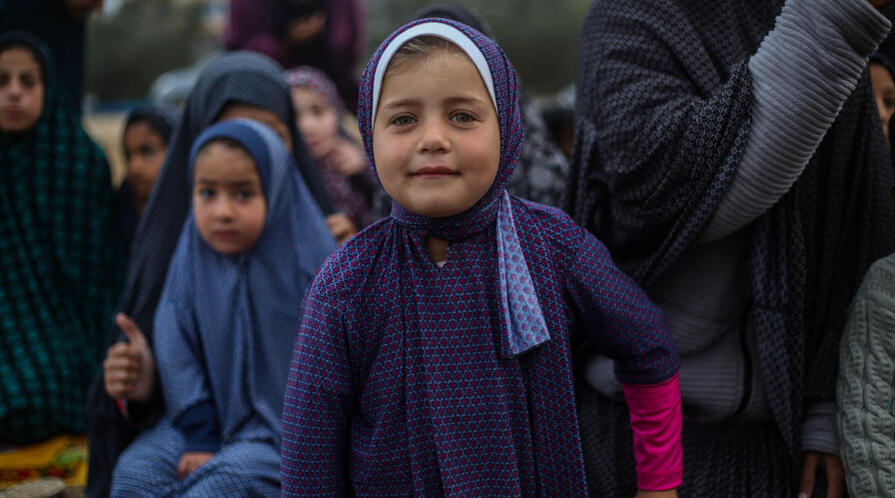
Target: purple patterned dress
[410,379]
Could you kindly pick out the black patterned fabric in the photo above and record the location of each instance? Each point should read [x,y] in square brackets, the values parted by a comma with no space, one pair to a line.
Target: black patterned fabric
[663,101]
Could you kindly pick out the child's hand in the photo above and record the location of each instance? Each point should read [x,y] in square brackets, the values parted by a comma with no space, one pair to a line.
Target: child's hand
[341,227]
[668,493]
[191,461]
[129,369]
[348,158]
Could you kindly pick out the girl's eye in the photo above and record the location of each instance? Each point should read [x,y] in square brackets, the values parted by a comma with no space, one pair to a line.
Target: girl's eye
[148,151]
[890,103]
[462,117]
[402,120]
[29,81]
[244,195]
[206,193]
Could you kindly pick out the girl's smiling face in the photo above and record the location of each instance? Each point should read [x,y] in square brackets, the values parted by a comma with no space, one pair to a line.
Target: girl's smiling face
[317,120]
[436,136]
[228,199]
[21,90]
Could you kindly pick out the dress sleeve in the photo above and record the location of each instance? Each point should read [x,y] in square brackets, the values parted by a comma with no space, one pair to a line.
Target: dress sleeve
[317,405]
[618,316]
[626,326]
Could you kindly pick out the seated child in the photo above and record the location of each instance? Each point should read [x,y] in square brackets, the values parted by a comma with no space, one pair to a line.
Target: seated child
[434,351]
[226,319]
[343,167]
[147,131]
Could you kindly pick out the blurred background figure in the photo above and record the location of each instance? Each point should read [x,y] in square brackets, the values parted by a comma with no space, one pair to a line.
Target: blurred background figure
[343,166]
[60,264]
[559,116]
[882,77]
[147,130]
[326,34]
[61,25]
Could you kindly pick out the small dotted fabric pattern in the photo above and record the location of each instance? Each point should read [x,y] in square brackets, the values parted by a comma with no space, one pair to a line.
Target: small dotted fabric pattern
[399,383]
[60,257]
[518,300]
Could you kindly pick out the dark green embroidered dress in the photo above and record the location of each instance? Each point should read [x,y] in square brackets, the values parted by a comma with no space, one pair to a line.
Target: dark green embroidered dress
[60,261]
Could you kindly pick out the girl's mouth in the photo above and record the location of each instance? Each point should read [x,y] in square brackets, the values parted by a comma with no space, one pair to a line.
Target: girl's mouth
[434,172]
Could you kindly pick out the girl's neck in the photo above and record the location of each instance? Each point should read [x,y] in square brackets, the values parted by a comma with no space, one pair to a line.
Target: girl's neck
[438,249]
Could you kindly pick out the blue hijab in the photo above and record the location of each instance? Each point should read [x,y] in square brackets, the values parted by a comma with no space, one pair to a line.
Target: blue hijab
[226,324]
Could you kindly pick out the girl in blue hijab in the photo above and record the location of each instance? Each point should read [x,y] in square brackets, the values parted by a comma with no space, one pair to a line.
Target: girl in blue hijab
[226,320]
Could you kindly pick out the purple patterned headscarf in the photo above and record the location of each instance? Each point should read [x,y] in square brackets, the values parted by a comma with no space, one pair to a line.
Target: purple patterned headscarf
[519,303]
[315,79]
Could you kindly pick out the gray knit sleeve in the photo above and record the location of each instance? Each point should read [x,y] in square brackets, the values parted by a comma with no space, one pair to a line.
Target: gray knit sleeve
[865,389]
[804,70]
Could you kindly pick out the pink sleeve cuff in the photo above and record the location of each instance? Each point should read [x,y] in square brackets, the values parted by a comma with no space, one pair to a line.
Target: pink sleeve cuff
[656,421]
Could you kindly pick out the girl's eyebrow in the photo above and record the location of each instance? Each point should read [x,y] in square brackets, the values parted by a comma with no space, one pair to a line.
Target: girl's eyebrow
[452,100]
[463,99]
[236,184]
[402,103]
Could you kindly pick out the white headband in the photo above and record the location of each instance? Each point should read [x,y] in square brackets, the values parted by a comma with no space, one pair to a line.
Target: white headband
[440,30]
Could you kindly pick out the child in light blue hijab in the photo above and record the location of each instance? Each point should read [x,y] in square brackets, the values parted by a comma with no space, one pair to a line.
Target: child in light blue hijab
[226,320]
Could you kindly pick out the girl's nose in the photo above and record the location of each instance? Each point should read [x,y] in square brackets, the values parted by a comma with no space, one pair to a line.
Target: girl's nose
[223,209]
[15,88]
[434,137]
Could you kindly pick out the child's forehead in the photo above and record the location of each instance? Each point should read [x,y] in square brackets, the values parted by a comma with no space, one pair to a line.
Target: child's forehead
[437,30]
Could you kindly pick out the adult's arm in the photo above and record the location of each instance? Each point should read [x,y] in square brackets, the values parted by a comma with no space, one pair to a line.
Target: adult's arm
[802,74]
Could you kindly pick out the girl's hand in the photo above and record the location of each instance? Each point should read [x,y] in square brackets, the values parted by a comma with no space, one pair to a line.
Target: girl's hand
[348,158]
[129,369]
[668,493]
[191,461]
[341,227]
[811,461]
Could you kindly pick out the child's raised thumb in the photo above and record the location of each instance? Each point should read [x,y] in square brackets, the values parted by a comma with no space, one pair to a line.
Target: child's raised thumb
[130,329]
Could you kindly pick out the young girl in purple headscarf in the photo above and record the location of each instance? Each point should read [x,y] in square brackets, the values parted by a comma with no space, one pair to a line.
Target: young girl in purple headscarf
[434,352]
[343,168]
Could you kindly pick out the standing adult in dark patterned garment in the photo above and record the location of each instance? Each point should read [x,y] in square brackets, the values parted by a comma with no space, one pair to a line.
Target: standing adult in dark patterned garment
[542,167]
[729,153]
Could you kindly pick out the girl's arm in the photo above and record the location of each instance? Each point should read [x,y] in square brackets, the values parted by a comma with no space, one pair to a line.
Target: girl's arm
[182,374]
[317,405]
[626,326]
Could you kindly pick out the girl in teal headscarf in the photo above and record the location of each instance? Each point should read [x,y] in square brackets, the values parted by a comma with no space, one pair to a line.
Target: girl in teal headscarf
[59,250]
